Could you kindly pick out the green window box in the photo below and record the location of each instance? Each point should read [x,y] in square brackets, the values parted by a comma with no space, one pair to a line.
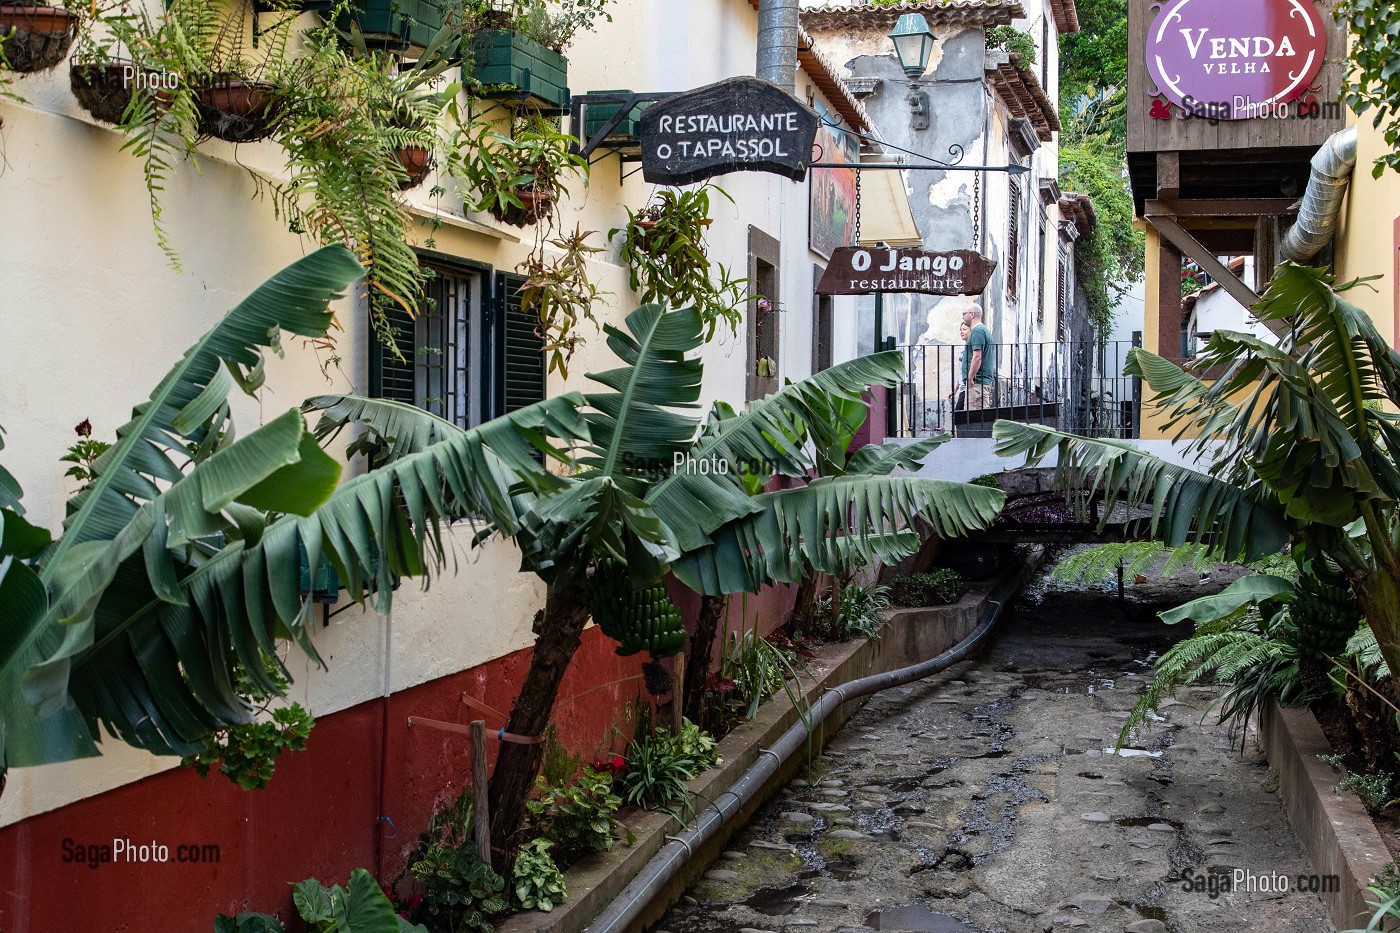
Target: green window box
[599,114]
[509,64]
[399,24]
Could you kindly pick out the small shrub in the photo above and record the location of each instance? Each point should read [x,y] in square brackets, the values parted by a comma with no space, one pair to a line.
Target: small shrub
[698,745]
[989,480]
[461,892]
[1015,41]
[539,884]
[360,905]
[579,818]
[861,613]
[941,587]
[657,771]
[1372,789]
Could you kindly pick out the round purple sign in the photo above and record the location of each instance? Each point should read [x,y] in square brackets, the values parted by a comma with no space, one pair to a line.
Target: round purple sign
[1240,60]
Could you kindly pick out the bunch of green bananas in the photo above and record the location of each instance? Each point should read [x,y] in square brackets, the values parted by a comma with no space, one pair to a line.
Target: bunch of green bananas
[1325,614]
[637,619]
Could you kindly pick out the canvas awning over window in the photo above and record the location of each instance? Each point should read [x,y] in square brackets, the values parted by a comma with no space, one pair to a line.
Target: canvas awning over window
[885,216]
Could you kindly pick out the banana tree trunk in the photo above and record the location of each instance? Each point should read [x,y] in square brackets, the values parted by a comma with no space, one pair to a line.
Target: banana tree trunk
[697,662]
[1379,596]
[558,629]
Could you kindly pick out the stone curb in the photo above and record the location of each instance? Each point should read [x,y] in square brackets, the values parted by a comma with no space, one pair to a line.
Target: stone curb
[912,635]
[1335,829]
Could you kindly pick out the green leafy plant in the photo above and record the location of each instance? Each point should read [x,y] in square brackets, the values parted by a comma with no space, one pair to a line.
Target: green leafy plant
[247,754]
[359,907]
[1111,256]
[461,891]
[83,454]
[1373,790]
[859,613]
[552,24]
[1013,40]
[939,587]
[558,291]
[668,260]
[657,772]
[989,480]
[1100,564]
[516,178]
[1373,82]
[579,818]
[697,745]
[538,884]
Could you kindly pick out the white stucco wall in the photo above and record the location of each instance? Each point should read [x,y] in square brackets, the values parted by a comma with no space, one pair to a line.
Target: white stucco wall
[93,316]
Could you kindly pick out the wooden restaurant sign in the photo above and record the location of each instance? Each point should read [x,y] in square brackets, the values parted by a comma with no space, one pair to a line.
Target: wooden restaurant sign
[859,271]
[740,124]
[1240,60]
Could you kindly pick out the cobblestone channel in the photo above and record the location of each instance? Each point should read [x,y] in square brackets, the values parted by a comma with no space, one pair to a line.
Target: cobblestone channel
[989,799]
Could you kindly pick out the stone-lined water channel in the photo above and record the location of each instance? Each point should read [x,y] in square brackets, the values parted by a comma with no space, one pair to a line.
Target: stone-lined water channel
[989,798]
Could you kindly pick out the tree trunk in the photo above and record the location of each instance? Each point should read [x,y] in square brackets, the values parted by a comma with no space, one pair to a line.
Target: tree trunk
[1379,596]
[558,628]
[697,662]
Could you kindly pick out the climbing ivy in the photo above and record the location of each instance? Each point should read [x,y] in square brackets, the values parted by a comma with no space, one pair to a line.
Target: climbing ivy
[1111,256]
[1373,82]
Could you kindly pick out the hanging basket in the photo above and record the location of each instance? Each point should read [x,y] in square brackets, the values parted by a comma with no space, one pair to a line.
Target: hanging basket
[36,37]
[416,162]
[104,89]
[238,111]
[538,204]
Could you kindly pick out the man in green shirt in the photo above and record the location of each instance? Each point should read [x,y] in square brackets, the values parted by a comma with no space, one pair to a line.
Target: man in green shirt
[981,361]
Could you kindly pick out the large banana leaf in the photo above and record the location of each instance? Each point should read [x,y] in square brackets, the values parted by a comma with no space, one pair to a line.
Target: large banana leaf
[159,673]
[190,403]
[884,459]
[636,430]
[1186,505]
[827,525]
[274,463]
[772,432]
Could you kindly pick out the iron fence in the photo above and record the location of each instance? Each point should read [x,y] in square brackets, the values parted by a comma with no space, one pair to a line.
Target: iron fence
[1077,387]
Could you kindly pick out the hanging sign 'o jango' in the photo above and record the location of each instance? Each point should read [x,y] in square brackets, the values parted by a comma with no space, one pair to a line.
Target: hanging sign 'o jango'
[859,271]
[737,125]
[1239,60]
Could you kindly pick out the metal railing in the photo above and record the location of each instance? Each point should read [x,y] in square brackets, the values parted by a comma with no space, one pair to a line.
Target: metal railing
[1076,387]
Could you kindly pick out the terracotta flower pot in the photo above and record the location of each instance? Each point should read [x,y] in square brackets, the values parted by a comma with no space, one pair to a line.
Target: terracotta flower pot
[238,111]
[37,37]
[416,161]
[538,203]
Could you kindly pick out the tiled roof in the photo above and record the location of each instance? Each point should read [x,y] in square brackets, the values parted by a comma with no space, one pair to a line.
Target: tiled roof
[1066,15]
[1024,97]
[953,13]
[828,80]
[1079,210]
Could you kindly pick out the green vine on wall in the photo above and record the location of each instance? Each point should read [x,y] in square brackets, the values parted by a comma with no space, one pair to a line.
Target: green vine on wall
[1373,83]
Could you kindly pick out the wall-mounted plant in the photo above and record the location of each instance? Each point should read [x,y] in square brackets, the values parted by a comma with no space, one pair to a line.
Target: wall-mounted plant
[101,72]
[516,178]
[1015,41]
[558,291]
[518,50]
[664,249]
[37,35]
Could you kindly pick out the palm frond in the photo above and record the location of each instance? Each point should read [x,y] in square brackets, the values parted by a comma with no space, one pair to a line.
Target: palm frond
[827,525]
[1187,506]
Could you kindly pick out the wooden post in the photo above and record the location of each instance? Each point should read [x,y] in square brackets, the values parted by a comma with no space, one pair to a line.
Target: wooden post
[481,808]
[678,695]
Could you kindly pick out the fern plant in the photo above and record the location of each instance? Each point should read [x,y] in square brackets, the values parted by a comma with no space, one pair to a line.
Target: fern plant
[1250,651]
[1100,564]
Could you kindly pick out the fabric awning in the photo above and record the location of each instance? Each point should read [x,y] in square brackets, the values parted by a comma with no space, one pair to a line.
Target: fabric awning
[885,216]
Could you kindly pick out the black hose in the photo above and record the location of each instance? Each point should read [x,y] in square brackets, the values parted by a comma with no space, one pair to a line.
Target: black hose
[667,863]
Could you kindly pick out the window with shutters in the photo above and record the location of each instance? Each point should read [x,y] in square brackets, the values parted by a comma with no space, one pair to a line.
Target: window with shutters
[1013,241]
[470,355]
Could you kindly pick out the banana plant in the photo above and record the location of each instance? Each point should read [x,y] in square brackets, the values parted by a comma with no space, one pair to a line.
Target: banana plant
[1300,438]
[646,494]
[178,567]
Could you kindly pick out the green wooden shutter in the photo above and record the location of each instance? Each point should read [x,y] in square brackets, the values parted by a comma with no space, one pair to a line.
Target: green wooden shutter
[520,375]
[389,376]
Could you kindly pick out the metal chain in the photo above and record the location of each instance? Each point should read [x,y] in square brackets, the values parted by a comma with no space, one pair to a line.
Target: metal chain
[857,242]
[976,210]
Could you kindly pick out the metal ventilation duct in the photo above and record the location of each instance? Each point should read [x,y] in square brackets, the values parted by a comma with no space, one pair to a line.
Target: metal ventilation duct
[777,42]
[1322,202]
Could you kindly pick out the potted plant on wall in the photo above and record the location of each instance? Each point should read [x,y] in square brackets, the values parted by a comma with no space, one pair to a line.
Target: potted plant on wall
[519,54]
[36,35]
[516,178]
[668,260]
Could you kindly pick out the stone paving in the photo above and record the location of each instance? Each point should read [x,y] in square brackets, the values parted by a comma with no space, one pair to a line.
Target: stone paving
[989,799]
